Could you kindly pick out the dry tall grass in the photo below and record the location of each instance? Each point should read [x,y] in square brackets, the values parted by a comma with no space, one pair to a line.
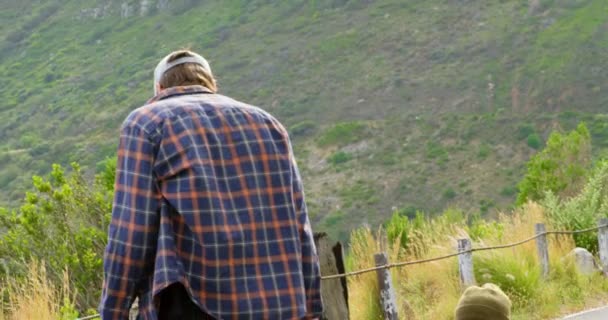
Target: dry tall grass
[424,291]
[36,297]
[431,290]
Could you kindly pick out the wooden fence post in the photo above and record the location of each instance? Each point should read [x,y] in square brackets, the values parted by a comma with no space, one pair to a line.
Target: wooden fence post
[387,293]
[602,237]
[465,263]
[334,292]
[543,249]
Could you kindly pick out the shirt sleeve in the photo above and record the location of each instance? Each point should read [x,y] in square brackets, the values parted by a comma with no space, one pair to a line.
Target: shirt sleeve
[310,259]
[133,229]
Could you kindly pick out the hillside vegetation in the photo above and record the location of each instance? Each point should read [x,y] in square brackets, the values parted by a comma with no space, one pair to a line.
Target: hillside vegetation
[61,279]
[392,105]
[398,110]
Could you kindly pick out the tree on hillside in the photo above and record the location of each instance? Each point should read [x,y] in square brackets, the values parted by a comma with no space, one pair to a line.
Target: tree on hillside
[561,167]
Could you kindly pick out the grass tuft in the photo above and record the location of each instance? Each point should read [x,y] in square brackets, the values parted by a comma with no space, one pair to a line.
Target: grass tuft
[36,297]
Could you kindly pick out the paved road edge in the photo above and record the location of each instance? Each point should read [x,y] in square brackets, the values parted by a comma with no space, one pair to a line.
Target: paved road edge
[588,313]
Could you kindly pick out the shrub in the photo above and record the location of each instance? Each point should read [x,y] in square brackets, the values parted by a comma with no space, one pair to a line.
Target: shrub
[303,128]
[40,149]
[485,205]
[479,229]
[106,171]
[342,134]
[7,176]
[449,194]
[435,150]
[333,219]
[74,216]
[534,141]
[599,129]
[387,158]
[583,210]
[409,211]
[29,140]
[359,193]
[508,191]
[525,130]
[560,168]
[339,157]
[484,151]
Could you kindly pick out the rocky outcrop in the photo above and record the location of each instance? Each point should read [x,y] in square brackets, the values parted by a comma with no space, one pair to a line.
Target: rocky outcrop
[126,9]
[123,8]
[99,12]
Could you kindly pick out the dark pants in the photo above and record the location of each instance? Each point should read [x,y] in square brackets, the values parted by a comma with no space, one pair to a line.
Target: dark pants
[175,304]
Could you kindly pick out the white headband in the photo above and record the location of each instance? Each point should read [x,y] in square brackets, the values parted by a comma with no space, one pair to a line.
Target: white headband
[163,66]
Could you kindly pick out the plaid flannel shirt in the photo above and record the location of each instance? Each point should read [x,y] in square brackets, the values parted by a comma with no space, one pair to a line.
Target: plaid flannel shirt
[208,195]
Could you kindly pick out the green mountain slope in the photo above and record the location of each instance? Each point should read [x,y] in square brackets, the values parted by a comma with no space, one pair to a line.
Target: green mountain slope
[392,104]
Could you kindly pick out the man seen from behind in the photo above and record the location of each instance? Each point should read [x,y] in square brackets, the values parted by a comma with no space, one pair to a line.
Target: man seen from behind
[209,219]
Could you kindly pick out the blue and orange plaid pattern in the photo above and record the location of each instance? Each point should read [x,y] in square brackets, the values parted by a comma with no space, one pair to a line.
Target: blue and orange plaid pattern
[208,194]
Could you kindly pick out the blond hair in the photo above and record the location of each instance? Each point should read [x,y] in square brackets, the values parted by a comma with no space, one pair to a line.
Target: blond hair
[187,74]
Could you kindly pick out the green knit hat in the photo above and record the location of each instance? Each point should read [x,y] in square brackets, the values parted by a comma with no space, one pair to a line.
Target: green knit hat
[484,303]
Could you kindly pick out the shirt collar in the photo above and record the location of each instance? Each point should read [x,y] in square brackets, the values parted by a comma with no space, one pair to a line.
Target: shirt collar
[178,91]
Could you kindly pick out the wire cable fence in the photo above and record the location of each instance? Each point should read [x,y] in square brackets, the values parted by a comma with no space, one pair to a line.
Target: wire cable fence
[444,257]
[505,246]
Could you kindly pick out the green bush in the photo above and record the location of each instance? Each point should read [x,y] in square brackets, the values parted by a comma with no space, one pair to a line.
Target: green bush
[583,210]
[484,151]
[63,222]
[339,157]
[342,134]
[29,140]
[561,167]
[449,194]
[7,176]
[106,171]
[485,205]
[409,211]
[387,158]
[479,228]
[303,128]
[40,149]
[508,191]
[361,193]
[333,219]
[434,150]
[534,141]
[525,130]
